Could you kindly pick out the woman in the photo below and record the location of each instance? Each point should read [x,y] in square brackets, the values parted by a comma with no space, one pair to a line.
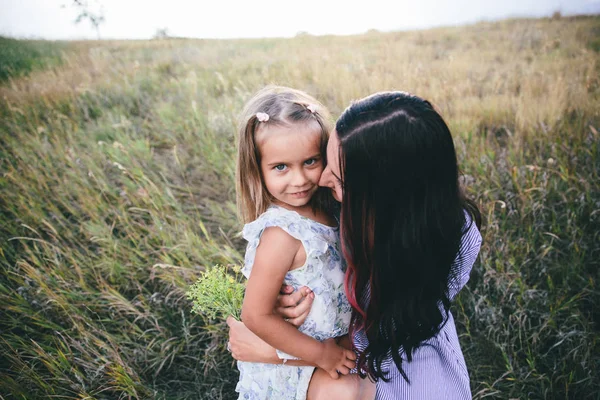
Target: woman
[410,239]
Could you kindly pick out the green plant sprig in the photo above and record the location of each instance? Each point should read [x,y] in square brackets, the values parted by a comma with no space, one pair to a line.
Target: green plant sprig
[217,293]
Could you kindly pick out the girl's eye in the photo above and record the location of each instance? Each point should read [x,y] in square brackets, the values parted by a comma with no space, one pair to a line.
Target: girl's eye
[280,167]
[310,162]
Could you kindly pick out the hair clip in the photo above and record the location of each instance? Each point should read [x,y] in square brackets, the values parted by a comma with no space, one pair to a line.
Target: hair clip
[262,117]
[312,108]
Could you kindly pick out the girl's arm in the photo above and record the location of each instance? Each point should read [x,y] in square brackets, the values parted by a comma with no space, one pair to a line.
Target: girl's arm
[274,257]
[246,346]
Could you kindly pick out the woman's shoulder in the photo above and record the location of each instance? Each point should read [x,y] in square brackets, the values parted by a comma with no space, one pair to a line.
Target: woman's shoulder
[471,236]
[470,244]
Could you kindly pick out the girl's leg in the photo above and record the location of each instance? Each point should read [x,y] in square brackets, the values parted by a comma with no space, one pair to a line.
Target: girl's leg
[366,389]
[346,387]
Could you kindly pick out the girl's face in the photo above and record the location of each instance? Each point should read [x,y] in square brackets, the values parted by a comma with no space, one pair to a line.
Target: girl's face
[331,174]
[291,162]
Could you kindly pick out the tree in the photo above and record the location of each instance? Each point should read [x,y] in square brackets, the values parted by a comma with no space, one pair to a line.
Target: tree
[95,15]
[161,33]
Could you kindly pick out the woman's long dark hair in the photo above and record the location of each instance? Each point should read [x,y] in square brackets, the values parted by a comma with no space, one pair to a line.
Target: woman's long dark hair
[403,216]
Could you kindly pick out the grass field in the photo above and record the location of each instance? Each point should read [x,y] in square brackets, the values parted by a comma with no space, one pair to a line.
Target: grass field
[116,190]
[18,57]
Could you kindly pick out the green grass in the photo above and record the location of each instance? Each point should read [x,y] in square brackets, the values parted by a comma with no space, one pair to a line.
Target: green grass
[116,191]
[19,57]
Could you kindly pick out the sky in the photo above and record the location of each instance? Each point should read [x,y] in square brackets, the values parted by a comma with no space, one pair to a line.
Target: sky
[140,19]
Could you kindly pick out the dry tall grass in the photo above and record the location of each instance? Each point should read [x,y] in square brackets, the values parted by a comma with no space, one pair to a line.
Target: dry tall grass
[117,189]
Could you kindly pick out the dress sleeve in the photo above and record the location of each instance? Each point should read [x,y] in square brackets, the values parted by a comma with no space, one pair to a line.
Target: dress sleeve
[467,254]
[295,226]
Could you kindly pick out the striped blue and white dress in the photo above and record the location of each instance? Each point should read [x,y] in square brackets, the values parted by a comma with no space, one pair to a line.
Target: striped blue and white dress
[438,369]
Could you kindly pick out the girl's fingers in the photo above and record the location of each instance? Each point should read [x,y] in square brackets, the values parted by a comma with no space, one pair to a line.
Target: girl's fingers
[350,360]
[344,370]
[349,364]
[350,355]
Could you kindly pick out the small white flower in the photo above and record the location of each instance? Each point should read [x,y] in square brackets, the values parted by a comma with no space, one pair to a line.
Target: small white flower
[312,108]
[262,117]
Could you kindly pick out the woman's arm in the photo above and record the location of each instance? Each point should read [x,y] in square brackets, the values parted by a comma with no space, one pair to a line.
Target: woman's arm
[470,244]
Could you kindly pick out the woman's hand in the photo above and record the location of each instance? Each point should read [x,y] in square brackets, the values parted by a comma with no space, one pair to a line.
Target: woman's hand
[336,360]
[246,346]
[294,307]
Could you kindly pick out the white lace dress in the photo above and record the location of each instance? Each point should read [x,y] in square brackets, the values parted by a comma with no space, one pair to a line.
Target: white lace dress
[329,317]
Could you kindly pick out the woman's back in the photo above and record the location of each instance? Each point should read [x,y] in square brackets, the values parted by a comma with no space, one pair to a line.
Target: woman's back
[438,369]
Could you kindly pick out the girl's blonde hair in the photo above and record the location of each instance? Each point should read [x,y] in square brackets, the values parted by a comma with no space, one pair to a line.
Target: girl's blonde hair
[283,106]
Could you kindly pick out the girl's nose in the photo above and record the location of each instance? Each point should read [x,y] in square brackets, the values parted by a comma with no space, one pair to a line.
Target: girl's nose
[299,178]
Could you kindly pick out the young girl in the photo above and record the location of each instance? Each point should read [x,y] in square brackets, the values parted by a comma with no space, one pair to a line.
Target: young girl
[292,239]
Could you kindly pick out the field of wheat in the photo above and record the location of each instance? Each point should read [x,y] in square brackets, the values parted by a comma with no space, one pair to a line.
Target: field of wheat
[116,191]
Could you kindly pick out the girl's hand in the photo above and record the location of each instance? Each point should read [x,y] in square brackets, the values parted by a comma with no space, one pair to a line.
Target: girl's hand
[344,341]
[246,346]
[294,306]
[336,360]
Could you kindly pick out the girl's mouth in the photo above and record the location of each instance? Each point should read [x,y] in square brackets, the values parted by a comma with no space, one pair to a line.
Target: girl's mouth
[302,194]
